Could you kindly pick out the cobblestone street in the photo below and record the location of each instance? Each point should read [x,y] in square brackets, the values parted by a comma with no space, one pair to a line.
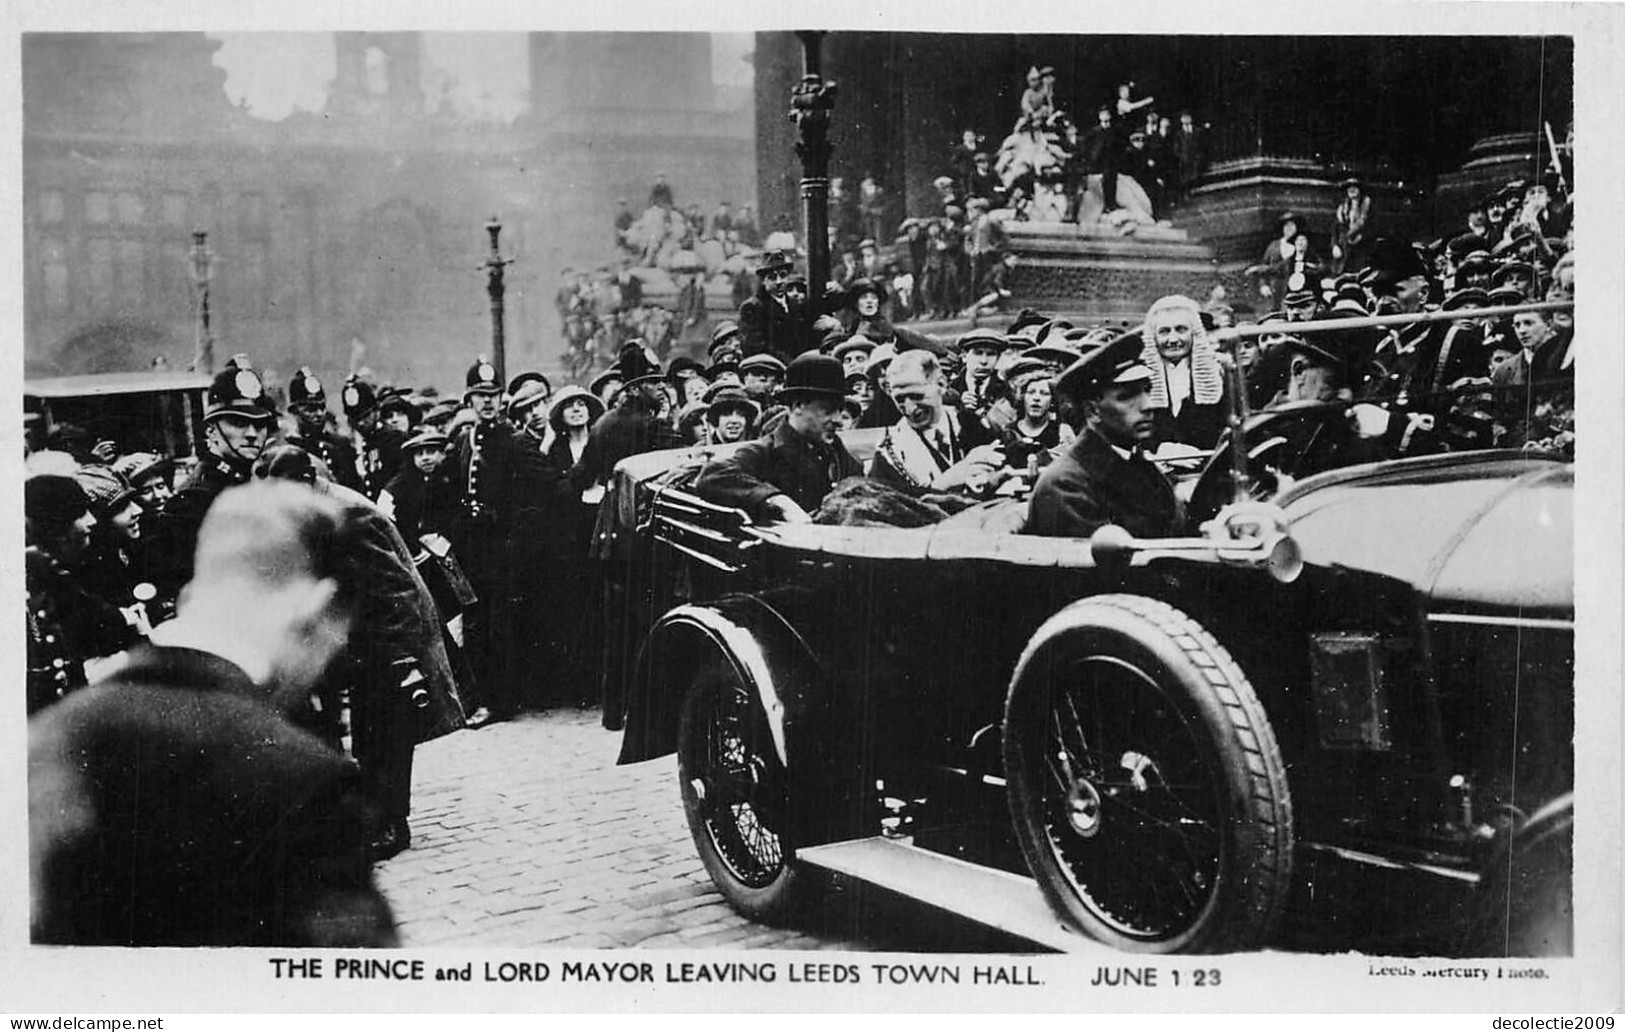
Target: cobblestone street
[527,834]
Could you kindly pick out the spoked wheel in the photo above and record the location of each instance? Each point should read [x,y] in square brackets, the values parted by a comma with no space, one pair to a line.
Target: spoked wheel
[1147,790]
[735,793]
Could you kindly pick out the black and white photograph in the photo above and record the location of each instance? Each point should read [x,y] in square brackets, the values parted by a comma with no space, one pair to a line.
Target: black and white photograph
[742,509]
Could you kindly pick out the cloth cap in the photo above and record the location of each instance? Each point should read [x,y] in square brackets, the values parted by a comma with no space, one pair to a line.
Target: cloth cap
[428,437]
[105,490]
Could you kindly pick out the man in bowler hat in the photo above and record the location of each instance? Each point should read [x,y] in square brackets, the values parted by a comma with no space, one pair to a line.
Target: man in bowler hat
[785,475]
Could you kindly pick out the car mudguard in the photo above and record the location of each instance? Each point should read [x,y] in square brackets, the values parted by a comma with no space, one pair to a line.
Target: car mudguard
[756,639]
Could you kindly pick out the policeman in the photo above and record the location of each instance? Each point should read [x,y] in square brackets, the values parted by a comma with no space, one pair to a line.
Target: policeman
[1104,477]
[508,491]
[307,400]
[381,446]
[238,418]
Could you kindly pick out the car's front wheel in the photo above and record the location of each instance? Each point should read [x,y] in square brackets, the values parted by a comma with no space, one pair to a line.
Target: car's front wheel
[1146,786]
[736,797]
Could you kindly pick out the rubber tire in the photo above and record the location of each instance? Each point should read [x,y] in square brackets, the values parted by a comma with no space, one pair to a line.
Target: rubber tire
[1221,712]
[781,899]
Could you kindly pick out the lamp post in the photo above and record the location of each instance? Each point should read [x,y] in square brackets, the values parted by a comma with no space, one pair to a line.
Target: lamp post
[495,266]
[200,263]
[811,101]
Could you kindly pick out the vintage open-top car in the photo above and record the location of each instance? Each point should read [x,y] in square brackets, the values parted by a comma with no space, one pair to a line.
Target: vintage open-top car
[1167,737]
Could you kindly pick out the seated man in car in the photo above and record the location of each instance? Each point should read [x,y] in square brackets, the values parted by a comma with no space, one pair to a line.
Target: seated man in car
[935,446]
[1105,477]
[785,475]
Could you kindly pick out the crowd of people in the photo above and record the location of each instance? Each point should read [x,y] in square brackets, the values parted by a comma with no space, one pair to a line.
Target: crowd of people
[438,550]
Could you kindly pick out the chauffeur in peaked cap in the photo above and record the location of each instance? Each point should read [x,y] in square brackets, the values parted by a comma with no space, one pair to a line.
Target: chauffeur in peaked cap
[1104,476]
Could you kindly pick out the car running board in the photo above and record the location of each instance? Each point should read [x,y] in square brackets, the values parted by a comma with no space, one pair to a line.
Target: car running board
[1010,903]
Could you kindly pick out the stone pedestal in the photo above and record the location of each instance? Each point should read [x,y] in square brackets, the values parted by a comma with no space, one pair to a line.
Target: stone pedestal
[1492,162]
[1094,274]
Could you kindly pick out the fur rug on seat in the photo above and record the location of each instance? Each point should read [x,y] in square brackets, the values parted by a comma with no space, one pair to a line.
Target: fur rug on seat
[861,502]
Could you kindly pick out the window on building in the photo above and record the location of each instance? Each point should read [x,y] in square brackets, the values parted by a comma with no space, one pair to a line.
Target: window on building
[52,206]
[99,279]
[130,272]
[98,207]
[132,210]
[54,266]
[376,69]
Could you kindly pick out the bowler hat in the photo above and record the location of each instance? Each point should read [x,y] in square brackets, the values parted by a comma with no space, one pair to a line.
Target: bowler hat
[238,392]
[595,406]
[813,375]
[1115,363]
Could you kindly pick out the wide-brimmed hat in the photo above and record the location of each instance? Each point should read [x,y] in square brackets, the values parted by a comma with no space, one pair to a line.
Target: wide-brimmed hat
[1053,351]
[862,286]
[813,375]
[880,358]
[555,416]
[612,373]
[1509,269]
[1466,297]
[1301,296]
[732,398]
[1506,294]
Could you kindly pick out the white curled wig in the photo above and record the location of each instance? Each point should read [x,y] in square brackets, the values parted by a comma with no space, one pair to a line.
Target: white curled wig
[1207,375]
